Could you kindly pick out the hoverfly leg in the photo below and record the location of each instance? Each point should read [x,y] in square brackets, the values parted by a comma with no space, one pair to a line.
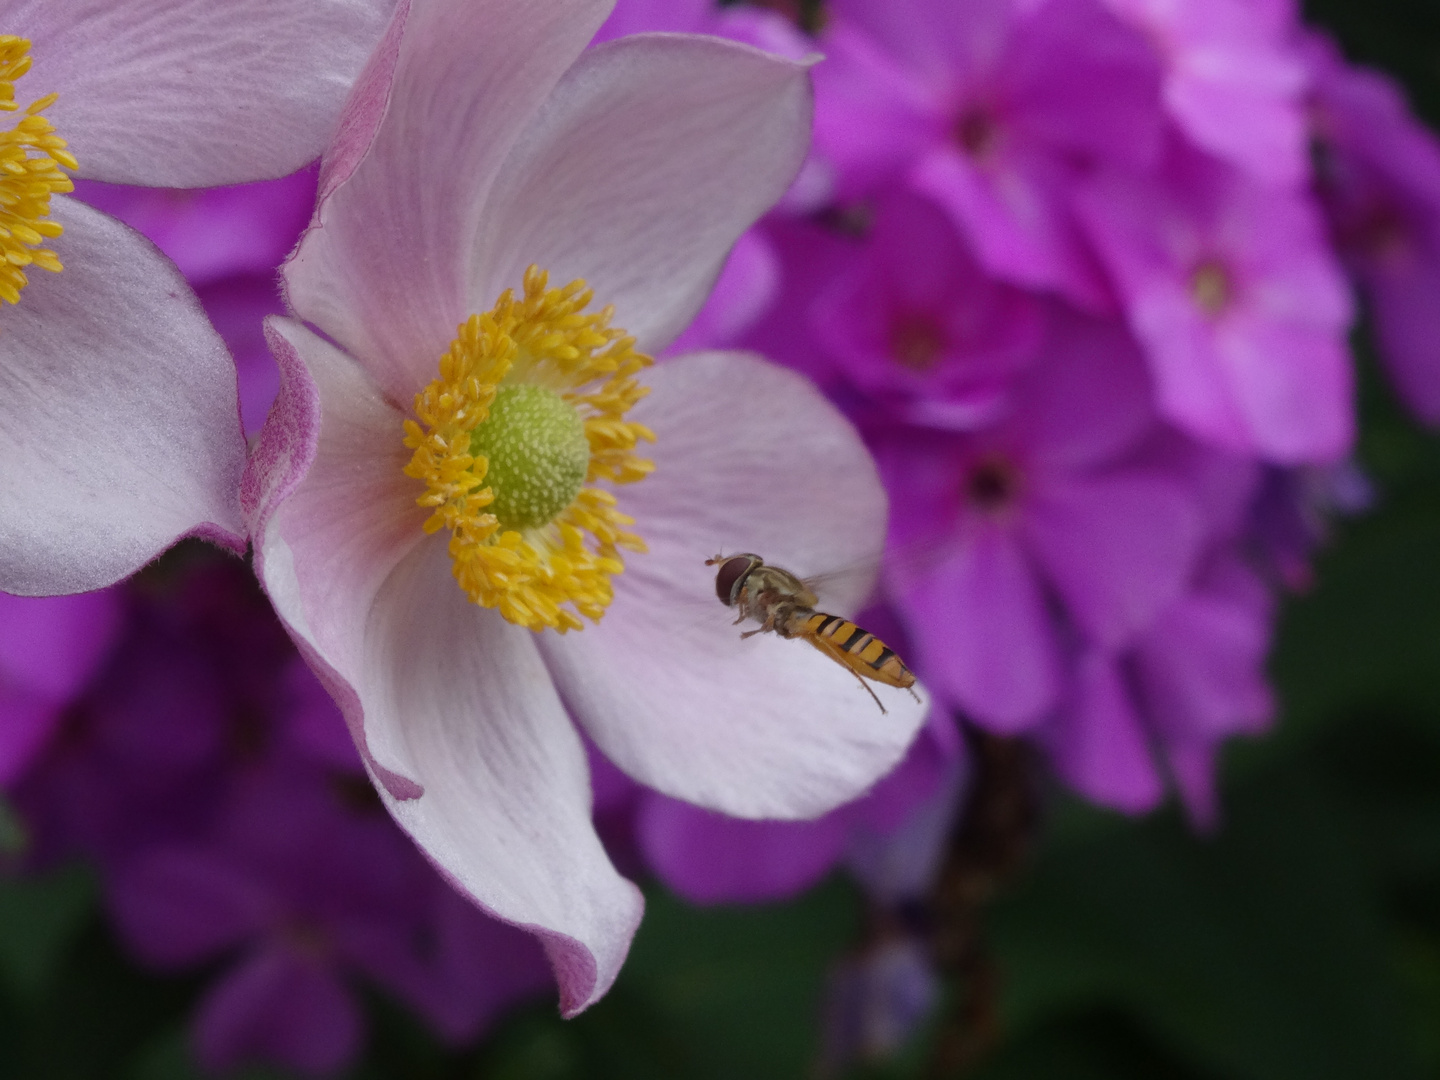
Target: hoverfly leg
[873,696]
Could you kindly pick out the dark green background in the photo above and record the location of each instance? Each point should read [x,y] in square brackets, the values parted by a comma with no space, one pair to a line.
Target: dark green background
[1301,942]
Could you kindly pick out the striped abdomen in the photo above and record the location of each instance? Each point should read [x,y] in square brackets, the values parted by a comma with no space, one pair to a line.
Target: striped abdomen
[862,652]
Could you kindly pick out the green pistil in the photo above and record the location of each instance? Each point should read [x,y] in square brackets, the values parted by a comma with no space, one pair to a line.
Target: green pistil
[538,454]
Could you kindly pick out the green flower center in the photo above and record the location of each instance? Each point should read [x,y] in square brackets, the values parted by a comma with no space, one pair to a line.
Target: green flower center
[534,441]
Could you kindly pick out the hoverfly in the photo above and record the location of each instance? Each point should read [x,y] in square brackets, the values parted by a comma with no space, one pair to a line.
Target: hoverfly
[783,603]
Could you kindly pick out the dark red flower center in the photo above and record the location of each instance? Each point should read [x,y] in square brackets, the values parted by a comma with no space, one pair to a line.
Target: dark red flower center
[917,342]
[992,484]
[978,133]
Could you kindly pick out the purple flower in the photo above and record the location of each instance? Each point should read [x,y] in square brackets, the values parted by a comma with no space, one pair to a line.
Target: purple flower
[118,427]
[913,324]
[1378,176]
[1238,302]
[993,109]
[1007,542]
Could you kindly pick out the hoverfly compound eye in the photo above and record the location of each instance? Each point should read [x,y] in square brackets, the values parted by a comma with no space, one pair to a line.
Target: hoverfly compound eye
[729,576]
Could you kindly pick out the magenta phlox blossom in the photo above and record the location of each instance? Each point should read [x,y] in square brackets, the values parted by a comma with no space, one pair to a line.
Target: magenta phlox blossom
[485,138]
[1378,176]
[1234,80]
[1240,305]
[917,328]
[1008,542]
[992,109]
[118,428]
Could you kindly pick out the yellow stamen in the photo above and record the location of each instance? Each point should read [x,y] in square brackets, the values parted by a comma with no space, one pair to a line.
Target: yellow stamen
[31,157]
[552,573]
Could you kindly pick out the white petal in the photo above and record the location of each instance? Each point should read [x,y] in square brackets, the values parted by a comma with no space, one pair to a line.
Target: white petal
[651,157]
[749,457]
[330,509]
[194,93]
[119,415]
[405,182]
[451,706]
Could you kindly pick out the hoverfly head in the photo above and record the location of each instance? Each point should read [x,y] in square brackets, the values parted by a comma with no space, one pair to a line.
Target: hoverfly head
[730,578]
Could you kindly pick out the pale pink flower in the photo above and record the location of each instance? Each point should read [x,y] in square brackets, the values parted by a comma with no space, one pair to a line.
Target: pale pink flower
[119,430]
[484,140]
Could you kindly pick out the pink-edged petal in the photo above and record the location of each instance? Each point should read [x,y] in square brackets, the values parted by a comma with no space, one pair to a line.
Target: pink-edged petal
[902,863]
[505,808]
[1118,548]
[1099,746]
[279,1006]
[749,457]
[193,93]
[450,705]
[119,423]
[404,184]
[983,634]
[710,859]
[648,161]
[329,509]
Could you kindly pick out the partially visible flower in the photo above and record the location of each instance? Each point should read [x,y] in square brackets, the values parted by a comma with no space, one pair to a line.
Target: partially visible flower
[118,426]
[880,993]
[485,143]
[1378,177]
[1051,523]
[915,326]
[994,110]
[1239,304]
[1234,80]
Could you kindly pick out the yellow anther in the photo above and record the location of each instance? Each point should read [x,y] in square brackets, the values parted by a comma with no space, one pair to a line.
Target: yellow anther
[31,157]
[529,536]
